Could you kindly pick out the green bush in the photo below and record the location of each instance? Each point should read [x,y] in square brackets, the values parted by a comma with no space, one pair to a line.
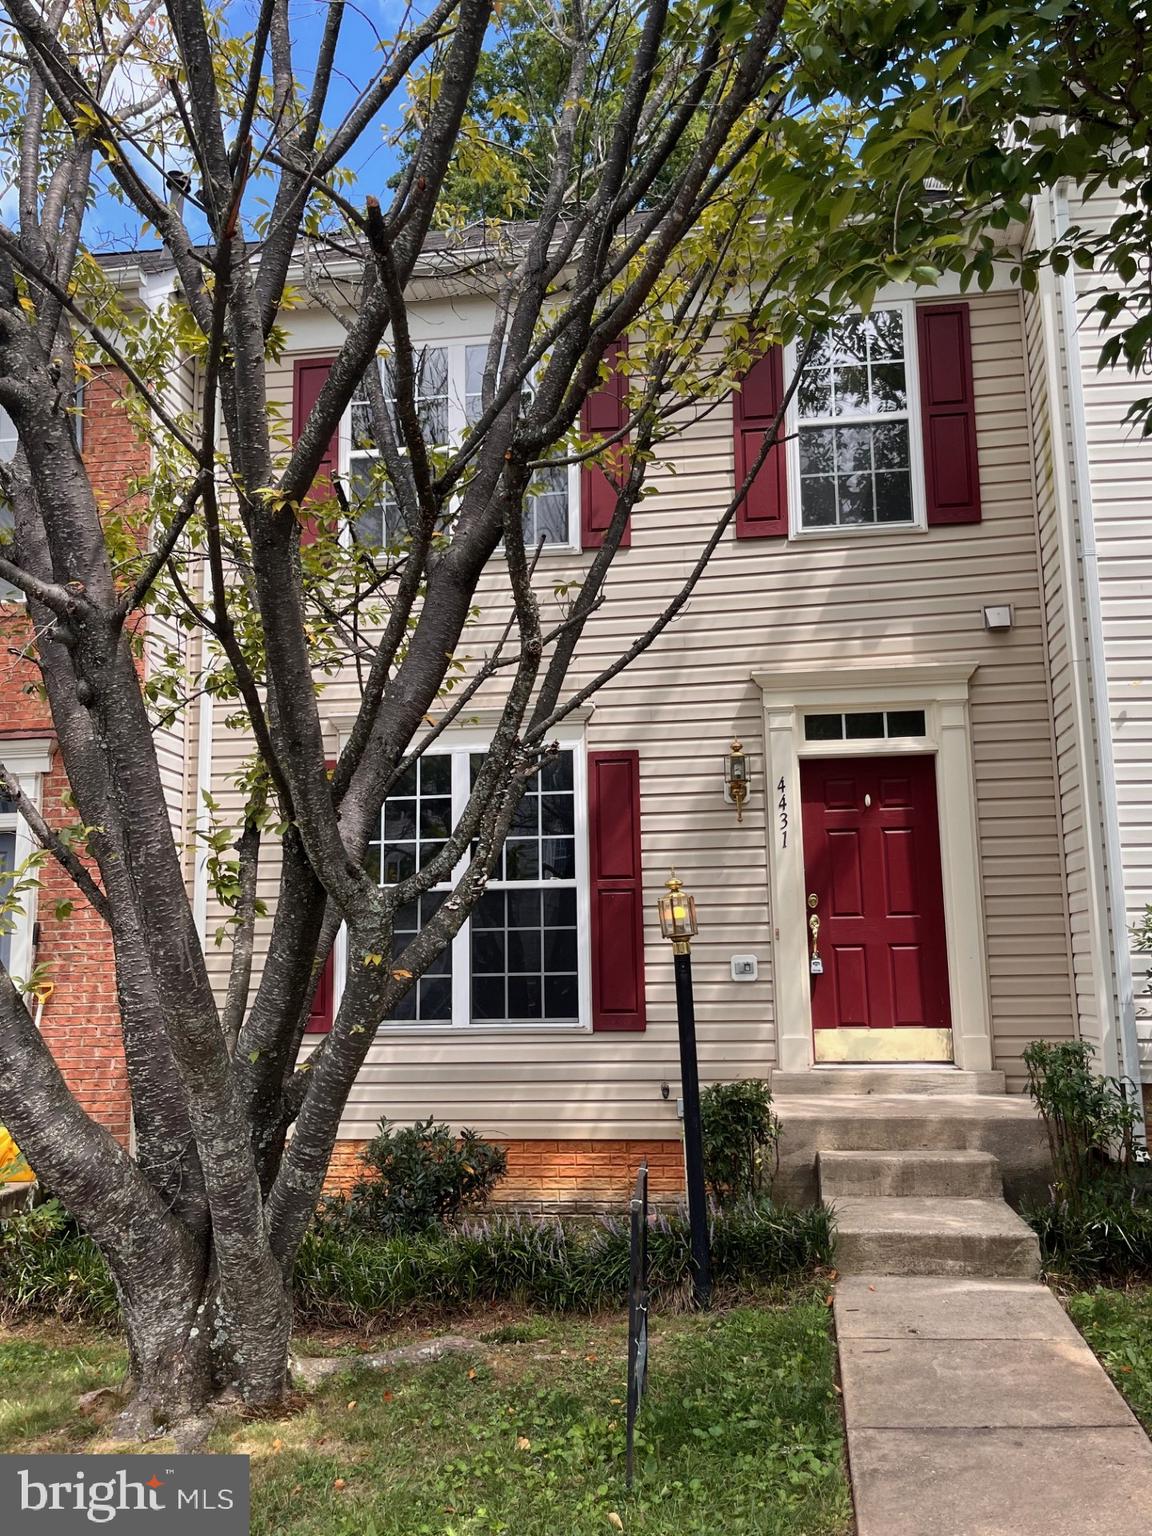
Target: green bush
[1098,1223]
[741,1140]
[1090,1119]
[351,1277]
[49,1268]
[347,1276]
[1106,1237]
[420,1176]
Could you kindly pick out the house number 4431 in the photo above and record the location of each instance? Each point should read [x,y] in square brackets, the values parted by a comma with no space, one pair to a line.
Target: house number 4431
[782,812]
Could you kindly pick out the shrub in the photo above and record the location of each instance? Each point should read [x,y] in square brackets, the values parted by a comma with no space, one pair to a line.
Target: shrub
[1091,1120]
[348,1276]
[49,1268]
[353,1277]
[741,1140]
[422,1176]
[1106,1238]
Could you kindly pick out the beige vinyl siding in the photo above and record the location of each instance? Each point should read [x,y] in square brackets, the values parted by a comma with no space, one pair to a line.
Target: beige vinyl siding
[882,598]
[1063,611]
[165,637]
[1120,480]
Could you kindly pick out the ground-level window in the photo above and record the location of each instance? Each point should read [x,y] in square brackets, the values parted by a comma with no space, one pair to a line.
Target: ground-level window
[449,383]
[854,406]
[517,959]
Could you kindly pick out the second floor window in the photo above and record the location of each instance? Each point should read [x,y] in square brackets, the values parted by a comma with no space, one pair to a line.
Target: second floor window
[8,445]
[853,411]
[448,397]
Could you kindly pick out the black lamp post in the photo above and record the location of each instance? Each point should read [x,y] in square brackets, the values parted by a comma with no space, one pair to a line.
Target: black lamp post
[678,923]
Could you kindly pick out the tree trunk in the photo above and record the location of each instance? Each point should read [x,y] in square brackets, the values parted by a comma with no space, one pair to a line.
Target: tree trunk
[183,1355]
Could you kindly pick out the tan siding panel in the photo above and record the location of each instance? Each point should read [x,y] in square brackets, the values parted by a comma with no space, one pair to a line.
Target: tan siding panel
[885,598]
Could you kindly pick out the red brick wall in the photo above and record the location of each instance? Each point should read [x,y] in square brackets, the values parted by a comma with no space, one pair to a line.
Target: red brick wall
[559,1175]
[81,1020]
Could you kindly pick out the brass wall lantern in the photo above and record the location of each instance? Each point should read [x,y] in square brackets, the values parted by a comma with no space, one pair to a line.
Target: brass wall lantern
[736,776]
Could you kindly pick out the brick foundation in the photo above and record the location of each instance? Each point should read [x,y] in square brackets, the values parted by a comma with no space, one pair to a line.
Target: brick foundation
[548,1176]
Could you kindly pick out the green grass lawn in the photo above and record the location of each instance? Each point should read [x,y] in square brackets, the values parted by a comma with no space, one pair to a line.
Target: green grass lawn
[741,1431]
[1118,1325]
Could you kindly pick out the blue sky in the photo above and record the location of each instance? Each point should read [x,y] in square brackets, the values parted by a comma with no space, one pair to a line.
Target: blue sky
[367,23]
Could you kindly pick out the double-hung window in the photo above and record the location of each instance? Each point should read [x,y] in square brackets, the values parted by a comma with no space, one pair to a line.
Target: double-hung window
[27,761]
[8,862]
[521,958]
[8,443]
[448,397]
[854,426]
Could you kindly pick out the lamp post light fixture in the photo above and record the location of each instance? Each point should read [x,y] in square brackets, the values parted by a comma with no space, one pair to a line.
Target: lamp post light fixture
[678,923]
[736,776]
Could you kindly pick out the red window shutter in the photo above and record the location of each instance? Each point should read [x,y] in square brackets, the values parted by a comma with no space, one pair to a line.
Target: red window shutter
[763,514]
[948,412]
[323,1009]
[320,1014]
[309,376]
[617,890]
[604,413]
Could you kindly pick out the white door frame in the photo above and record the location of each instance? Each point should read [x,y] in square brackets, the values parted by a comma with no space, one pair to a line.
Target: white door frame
[942,692]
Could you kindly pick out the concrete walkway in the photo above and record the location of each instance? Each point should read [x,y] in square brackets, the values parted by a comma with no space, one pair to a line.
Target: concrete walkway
[975,1408]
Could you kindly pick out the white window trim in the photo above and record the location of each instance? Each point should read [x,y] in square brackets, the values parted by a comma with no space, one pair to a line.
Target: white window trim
[462,740]
[919,523]
[941,690]
[27,760]
[456,349]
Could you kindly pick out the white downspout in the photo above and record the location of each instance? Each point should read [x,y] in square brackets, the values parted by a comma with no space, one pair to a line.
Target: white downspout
[1128,1042]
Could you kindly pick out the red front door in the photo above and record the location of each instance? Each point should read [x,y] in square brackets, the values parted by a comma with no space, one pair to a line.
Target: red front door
[872,866]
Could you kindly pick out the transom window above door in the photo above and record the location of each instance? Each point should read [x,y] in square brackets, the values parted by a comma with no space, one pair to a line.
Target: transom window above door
[865,725]
[854,426]
[449,381]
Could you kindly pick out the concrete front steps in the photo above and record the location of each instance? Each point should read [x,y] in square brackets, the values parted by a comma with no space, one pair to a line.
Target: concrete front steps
[965,1174]
[934,1237]
[931,1212]
[936,1110]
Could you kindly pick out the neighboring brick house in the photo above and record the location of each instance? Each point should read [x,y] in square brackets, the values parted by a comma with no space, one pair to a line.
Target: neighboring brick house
[78,1014]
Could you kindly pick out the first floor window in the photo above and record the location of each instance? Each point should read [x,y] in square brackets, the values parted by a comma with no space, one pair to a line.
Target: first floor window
[517,958]
[449,383]
[853,411]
